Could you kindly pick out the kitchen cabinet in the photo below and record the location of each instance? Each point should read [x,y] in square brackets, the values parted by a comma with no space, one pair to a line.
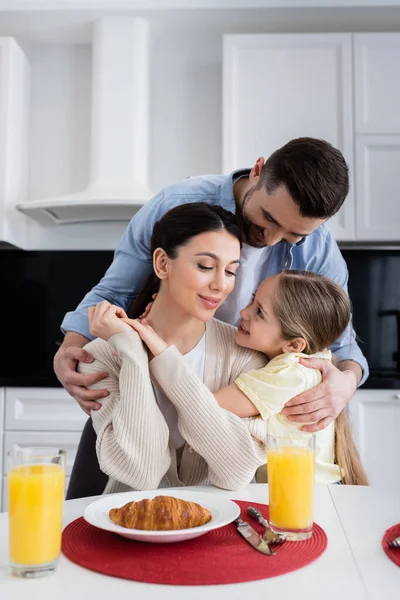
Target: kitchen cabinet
[377,187]
[14,146]
[46,417]
[377,128]
[376,83]
[278,87]
[375,418]
[42,409]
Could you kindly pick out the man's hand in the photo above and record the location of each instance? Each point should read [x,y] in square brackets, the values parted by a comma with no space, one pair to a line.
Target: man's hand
[65,364]
[321,405]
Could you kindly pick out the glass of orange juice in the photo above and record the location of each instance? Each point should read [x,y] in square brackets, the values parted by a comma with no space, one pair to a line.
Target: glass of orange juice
[35,498]
[290,466]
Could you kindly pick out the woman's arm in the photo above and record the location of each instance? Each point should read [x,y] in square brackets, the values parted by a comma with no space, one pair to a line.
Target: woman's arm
[232,447]
[229,397]
[132,435]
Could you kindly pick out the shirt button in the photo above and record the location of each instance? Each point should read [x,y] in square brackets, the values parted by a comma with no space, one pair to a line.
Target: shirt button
[191,451]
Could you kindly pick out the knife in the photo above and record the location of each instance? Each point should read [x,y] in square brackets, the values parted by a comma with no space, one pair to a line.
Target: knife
[252,537]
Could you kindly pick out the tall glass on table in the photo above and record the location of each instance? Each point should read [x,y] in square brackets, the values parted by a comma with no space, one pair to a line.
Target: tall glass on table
[290,466]
[36,479]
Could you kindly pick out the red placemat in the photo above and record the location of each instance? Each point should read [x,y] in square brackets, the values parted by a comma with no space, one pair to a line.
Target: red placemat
[220,556]
[393,553]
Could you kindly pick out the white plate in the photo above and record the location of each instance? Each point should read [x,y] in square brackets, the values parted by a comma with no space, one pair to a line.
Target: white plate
[223,511]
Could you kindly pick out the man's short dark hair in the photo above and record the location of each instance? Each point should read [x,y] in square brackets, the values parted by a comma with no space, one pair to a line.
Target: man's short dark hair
[314,173]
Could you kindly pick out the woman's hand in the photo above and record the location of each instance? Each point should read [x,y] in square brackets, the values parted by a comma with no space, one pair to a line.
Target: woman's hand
[106,320]
[155,344]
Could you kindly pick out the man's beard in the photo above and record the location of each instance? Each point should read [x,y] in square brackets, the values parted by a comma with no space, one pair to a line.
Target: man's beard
[249,229]
[244,224]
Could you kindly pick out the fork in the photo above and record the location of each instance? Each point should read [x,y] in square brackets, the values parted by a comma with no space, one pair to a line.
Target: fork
[394,543]
[269,536]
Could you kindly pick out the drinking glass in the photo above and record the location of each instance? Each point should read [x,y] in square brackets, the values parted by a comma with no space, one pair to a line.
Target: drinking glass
[290,466]
[35,499]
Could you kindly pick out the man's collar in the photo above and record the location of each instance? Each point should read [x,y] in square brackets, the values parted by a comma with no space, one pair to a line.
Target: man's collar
[226,193]
[301,242]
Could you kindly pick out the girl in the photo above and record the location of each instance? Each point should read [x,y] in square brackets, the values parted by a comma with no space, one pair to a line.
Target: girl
[294,315]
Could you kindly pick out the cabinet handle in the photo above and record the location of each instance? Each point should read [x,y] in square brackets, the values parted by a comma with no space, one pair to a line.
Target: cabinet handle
[396,397]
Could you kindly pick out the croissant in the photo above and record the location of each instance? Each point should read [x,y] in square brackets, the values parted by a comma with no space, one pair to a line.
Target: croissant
[162,513]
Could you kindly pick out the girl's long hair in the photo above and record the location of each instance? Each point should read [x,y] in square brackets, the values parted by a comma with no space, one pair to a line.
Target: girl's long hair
[315,308]
[175,229]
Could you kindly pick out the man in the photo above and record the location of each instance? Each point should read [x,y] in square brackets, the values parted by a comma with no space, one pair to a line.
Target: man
[282,205]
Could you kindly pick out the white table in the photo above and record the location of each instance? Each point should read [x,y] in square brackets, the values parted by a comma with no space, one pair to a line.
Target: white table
[351,567]
[365,514]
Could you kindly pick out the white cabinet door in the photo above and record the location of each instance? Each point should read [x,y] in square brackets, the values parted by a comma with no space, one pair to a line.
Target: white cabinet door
[377,83]
[375,417]
[14,140]
[377,187]
[42,409]
[279,87]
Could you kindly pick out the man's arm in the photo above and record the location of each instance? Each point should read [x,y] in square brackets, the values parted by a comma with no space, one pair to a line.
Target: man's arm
[348,355]
[65,364]
[72,338]
[351,367]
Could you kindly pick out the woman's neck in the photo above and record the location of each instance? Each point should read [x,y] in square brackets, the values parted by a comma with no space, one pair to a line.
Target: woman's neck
[174,325]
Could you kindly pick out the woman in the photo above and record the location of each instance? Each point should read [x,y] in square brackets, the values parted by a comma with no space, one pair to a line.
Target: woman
[151,430]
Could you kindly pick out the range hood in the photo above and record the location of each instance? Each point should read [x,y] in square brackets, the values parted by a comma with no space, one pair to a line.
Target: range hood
[119,131]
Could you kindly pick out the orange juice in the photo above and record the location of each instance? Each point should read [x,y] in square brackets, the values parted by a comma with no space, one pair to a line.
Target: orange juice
[290,482]
[35,496]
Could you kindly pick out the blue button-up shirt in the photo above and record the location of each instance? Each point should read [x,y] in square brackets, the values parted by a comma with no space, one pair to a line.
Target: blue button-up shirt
[133,263]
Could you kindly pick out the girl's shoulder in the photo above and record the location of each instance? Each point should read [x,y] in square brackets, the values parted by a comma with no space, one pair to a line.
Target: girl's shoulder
[293,358]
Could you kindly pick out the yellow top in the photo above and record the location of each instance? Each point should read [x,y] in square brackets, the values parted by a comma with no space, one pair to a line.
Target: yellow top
[272,386]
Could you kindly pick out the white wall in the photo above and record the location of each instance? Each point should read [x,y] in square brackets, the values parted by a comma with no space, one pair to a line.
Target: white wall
[186,120]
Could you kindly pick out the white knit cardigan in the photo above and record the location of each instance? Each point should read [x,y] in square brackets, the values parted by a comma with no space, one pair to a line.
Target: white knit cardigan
[133,445]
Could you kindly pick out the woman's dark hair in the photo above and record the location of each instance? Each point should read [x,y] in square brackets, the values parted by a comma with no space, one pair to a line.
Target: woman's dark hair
[175,229]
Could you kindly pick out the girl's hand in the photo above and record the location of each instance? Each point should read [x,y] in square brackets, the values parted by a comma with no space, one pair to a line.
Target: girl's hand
[155,344]
[106,320]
